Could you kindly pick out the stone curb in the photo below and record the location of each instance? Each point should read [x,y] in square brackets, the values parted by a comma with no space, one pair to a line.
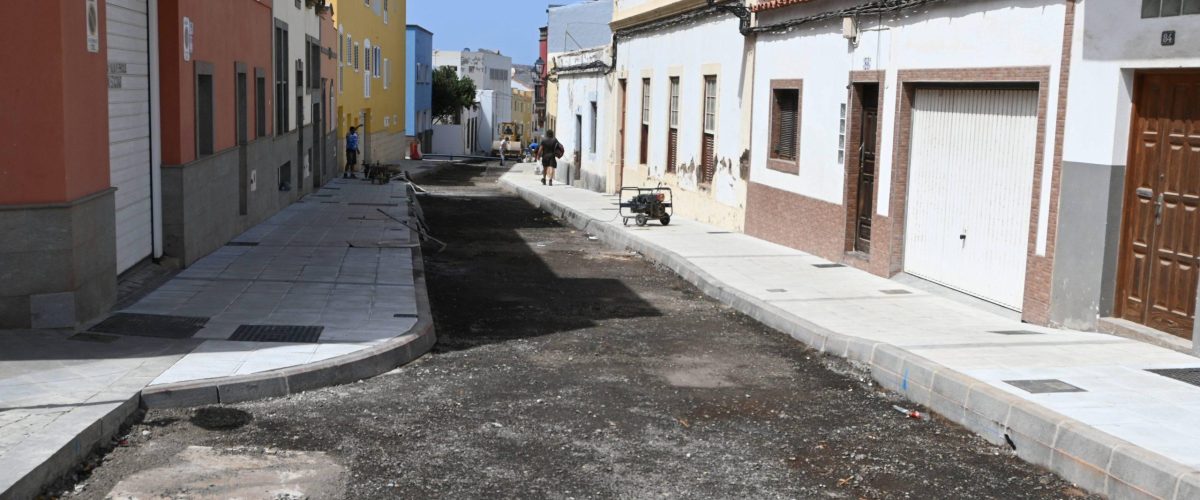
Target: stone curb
[69,455]
[1092,459]
[362,364]
[358,365]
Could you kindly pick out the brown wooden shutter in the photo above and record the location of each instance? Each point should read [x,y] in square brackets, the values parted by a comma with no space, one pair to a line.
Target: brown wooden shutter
[788,121]
[708,163]
[672,149]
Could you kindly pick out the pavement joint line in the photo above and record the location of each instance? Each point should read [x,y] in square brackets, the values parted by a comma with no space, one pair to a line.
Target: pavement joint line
[824,339]
[271,280]
[859,297]
[989,345]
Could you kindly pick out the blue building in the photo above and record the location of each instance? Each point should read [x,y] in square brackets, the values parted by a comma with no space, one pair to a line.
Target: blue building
[419,84]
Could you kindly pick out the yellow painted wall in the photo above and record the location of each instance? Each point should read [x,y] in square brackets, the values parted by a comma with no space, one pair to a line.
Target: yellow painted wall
[384,109]
[522,112]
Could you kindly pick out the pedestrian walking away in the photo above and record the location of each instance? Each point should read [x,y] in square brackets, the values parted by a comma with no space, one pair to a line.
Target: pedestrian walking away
[549,151]
[351,153]
[503,148]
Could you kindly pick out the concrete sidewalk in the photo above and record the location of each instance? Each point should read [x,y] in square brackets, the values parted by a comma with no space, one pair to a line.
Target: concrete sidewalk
[327,291]
[1082,404]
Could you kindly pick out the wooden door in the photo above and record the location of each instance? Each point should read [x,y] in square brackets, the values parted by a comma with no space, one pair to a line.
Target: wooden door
[622,101]
[868,121]
[1160,238]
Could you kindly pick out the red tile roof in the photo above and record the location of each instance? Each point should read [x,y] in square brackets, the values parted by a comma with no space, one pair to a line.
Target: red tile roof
[774,4]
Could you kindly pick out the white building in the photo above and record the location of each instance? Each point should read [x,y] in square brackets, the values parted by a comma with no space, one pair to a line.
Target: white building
[582,108]
[681,100]
[492,74]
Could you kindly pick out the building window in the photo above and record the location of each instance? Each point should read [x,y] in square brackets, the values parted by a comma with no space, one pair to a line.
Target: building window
[842,137]
[260,103]
[282,71]
[378,58]
[785,123]
[708,146]
[645,145]
[356,58]
[673,126]
[204,110]
[387,73]
[1168,8]
[312,64]
[367,62]
[595,111]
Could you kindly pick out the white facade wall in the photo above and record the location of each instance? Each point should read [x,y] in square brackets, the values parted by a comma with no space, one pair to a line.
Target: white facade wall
[494,108]
[576,93]
[1113,40]
[710,46]
[302,22]
[448,58]
[978,34]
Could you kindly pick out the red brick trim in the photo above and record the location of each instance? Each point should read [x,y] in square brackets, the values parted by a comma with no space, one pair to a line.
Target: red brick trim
[779,165]
[1040,269]
[909,81]
[853,138]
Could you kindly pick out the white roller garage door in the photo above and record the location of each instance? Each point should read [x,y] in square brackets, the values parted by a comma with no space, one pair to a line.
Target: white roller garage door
[970,189]
[129,128]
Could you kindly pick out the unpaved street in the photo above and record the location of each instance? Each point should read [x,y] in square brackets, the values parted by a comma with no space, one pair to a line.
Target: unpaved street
[568,369]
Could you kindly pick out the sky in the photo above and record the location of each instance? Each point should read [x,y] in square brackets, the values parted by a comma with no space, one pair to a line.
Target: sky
[510,26]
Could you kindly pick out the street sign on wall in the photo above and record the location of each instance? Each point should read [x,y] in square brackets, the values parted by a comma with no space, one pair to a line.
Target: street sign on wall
[93,26]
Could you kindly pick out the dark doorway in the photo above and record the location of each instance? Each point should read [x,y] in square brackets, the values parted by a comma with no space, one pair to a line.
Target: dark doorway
[622,101]
[1160,242]
[578,149]
[861,160]
[242,126]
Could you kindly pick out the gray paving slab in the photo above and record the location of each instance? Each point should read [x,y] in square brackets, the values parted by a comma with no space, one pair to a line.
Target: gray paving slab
[60,397]
[1126,433]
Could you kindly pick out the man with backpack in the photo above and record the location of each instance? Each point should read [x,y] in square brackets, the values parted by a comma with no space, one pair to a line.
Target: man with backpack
[549,151]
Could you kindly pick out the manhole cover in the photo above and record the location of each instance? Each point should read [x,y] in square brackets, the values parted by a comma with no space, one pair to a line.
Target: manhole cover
[896,292]
[718,232]
[324,188]
[150,325]
[1186,375]
[1043,386]
[373,204]
[277,333]
[828,266]
[1016,332]
[242,244]
[383,244]
[404,315]
[93,337]
[323,195]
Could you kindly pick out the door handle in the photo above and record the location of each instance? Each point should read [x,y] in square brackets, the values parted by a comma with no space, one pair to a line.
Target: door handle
[1158,208]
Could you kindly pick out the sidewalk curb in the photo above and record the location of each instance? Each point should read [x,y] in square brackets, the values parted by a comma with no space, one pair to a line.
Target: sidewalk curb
[1094,460]
[362,364]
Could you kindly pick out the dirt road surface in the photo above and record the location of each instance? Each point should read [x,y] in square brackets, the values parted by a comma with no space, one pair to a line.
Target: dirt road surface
[568,369]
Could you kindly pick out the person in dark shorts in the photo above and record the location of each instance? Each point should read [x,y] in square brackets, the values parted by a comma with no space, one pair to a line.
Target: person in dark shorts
[549,151]
[351,153]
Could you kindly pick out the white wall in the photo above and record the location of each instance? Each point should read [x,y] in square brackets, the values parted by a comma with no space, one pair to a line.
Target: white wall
[301,22]
[576,93]
[1111,40]
[448,58]
[992,33]
[713,45]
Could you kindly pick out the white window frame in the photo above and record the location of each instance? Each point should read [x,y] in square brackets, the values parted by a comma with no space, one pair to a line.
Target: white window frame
[378,59]
[387,73]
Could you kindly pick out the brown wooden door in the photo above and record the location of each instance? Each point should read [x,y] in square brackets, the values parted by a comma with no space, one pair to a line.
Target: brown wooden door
[1161,228]
[868,121]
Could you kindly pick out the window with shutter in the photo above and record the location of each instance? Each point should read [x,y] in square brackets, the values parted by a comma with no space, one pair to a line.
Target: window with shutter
[783,153]
[673,126]
[708,160]
[645,145]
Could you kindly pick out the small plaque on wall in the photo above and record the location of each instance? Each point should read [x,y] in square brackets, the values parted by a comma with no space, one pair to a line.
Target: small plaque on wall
[1168,38]
[93,26]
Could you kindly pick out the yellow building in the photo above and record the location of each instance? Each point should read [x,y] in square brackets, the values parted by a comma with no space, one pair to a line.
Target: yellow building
[371,77]
[522,110]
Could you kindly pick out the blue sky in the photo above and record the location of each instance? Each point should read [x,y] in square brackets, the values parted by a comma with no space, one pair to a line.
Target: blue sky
[510,26]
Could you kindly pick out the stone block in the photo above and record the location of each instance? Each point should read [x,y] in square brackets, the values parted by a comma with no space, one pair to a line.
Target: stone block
[1189,486]
[271,386]
[180,397]
[52,310]
[1135,469]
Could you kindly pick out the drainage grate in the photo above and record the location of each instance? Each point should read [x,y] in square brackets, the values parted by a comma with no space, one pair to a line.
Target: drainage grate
[404,315]
[776,290]
[1185,375]
[719,232]
[329,188]
[150,325]
[382,244]
[373,204]
[242,244]
[828,266]
[323,195]
[93,337]
[277,333]
[896,292]
[1016,332]
[1044,386]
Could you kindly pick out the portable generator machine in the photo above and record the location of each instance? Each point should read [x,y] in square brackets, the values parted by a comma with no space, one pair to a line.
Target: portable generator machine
[647,203]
